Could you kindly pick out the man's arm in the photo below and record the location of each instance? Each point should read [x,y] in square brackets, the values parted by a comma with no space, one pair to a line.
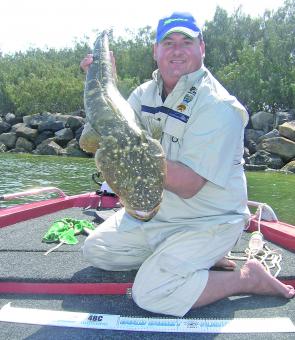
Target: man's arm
[182,180]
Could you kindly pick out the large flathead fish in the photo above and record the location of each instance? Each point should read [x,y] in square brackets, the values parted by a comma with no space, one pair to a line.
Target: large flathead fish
[131,162]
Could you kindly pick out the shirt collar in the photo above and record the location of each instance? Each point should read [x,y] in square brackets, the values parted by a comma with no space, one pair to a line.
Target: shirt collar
[184,82]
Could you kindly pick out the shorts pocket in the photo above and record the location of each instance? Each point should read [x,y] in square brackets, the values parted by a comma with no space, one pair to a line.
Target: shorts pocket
[175,265]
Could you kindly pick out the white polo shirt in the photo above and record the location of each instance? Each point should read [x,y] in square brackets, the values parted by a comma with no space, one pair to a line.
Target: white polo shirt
[202,126]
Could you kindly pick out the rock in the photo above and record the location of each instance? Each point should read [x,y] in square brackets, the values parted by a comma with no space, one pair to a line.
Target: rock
[62,137]
[289,167]
[78,133]
[51,125]
[43,136]
[263,157]
[252,146]
[74,150]
[49,147]
[246,152]
[271,134]
[4,127]
[275,162]
[283,117]
[283,147]
[3,147]
[8,139]
[12,119]
[262,121]
[259,158]
[9,117]
[62,118]
[288,130]
[23,143]
[26,132]
[254,135]
[48,133]
[246,155]
[74,123]
[16,126]
[35,120]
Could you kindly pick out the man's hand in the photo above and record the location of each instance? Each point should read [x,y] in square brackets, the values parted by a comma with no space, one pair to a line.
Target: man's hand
[88,60]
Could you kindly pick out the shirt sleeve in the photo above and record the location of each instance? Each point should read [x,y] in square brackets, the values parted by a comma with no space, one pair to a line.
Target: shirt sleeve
[212,142]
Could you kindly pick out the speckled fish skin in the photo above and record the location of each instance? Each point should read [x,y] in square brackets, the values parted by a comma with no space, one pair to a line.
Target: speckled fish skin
[131,162]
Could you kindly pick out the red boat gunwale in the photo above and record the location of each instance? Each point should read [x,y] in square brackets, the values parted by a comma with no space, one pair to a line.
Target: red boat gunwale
[64,288]
[24,212]
[280,233]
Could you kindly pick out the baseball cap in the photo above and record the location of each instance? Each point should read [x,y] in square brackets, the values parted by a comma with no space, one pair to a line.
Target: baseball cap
[179,22]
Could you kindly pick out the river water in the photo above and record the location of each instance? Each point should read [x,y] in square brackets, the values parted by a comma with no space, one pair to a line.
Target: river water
[19,172]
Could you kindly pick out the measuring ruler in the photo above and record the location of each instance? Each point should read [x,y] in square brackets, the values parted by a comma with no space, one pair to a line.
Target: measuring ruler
[118,322]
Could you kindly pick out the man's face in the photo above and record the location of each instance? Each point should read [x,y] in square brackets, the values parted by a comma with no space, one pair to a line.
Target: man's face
[177,55]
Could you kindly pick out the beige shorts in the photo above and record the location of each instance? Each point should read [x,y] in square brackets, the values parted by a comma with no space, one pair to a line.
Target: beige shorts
[171,276]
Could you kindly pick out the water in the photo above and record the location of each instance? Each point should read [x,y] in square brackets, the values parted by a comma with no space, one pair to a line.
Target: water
[277,190]
[19,172]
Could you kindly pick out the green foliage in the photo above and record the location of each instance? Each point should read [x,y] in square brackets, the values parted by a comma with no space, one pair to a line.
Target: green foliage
[126,85]
[134,55]
[134,61]
[38,81]
[254,58]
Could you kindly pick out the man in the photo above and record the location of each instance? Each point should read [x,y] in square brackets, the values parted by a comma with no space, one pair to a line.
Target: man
[204,208]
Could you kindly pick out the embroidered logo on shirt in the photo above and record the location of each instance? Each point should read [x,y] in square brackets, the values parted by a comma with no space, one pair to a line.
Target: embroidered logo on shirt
[181,107]
[187,98]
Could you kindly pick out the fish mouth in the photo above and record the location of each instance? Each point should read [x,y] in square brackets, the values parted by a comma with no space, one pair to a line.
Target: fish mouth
[143,215]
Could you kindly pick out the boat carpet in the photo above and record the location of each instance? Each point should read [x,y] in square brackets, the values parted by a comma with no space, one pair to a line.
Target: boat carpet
[22,253]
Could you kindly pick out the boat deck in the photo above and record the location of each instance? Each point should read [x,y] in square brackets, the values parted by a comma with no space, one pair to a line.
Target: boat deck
[22,260]
[22,253]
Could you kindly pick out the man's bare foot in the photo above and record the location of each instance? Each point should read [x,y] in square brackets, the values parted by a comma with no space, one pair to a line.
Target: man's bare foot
[226,264]
[252,278]
[259,281]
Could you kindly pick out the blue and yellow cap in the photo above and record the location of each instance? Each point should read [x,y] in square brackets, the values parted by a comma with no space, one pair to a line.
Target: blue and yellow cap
[178,22]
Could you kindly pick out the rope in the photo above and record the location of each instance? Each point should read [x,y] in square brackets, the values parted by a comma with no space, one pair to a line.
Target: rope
[258,249]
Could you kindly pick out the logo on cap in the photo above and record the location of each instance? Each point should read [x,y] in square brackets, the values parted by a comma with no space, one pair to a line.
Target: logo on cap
[177,22]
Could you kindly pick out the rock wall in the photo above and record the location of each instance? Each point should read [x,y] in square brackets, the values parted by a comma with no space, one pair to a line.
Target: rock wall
[270,141]
[43,134]
[269,138]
